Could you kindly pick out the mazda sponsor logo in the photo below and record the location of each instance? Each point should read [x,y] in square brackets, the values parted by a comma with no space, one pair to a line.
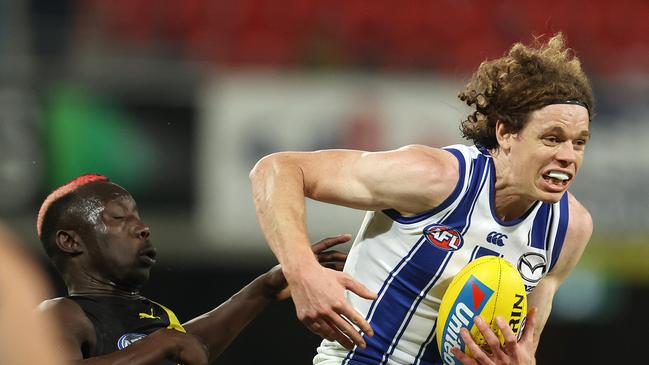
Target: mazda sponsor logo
[532,266]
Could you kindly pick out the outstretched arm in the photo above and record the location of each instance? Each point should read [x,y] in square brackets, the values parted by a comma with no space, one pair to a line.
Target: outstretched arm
[408,180]
[163,344]
[219,327]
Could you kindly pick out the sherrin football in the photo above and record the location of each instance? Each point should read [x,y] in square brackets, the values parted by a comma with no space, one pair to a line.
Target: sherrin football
[488,287]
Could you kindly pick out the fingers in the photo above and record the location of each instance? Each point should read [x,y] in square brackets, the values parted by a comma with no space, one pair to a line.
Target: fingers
[346,332]
[510,338]
[349,312]
[336,328]
[338,266]
[358,288]
[331,256]
[476,352]
[530,325]
[489,335]
[330,242]
[464,358]
[322,329]
[354,317]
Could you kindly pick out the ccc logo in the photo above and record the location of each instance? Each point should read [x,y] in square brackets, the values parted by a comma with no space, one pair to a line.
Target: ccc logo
[496,238]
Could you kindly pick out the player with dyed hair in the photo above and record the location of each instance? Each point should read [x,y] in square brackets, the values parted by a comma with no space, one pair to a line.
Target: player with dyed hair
[92,231]
[434,210]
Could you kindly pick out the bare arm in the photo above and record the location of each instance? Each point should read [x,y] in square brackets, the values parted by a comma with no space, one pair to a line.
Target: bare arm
[580,229]
[219,327]
[162,344]
[407,179]
[25,337]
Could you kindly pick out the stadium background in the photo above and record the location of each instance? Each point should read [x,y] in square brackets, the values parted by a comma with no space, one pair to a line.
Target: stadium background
[176,100]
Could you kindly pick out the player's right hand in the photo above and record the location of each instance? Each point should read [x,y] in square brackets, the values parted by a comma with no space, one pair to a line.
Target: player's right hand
[184,348]
[318,294]
[513,352]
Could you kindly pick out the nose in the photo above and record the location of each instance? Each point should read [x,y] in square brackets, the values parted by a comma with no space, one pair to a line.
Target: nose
[566,153]
[142,230]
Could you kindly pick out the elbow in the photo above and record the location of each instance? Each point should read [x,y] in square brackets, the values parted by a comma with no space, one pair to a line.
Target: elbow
[267,173]
[263,168]
[277,171]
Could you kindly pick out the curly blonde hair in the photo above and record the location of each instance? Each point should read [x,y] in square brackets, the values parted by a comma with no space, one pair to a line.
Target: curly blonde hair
[524,80]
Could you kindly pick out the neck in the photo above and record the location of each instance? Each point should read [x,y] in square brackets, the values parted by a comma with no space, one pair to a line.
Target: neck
[510,201]
[88,284]
[93,291]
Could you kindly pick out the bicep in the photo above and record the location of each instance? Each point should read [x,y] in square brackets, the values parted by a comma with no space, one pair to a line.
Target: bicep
[405,179]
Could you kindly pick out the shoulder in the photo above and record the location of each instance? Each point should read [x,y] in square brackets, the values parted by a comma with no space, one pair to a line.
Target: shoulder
[61,305]
[580,229]
[425,161]
[423,177]
[428,154]
[68,313]
[580,224]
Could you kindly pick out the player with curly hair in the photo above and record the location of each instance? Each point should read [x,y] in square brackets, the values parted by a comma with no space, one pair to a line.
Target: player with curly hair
[433,210]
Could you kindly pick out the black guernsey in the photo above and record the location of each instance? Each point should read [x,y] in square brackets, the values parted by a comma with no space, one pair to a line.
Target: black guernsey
[120,322]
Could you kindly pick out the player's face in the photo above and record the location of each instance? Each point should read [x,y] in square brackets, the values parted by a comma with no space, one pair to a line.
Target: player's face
[120,252]
[547,153]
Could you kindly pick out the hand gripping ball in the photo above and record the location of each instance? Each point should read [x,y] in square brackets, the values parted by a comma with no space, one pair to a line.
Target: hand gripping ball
[488,287]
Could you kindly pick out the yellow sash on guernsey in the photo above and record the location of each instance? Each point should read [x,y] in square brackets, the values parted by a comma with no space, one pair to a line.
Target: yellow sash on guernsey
[174,323]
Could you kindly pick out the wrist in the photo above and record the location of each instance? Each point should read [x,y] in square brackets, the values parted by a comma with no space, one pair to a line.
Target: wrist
[295,268]
[265,287]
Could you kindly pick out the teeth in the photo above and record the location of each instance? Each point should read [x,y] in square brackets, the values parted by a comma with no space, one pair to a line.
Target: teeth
[558,175]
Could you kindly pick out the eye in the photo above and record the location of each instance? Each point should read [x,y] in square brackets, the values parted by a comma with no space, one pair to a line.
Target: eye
[118,217]
[551,139]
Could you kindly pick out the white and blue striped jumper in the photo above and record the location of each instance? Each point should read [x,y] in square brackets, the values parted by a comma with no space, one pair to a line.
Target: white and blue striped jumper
[409,261]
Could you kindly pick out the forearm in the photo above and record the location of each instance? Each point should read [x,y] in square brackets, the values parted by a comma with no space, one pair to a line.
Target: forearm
[219,327]
[279,194]
[541,298]
[123,358]
[143,352]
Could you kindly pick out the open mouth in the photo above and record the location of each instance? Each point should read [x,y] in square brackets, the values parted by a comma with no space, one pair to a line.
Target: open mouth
[557,178]
[148,255]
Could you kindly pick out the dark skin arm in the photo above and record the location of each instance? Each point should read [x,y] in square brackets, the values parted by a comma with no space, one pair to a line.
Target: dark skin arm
[219,327]
[212,332]
[162,344]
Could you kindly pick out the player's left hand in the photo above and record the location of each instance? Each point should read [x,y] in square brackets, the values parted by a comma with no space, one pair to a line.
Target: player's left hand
[275,281]
[513,352]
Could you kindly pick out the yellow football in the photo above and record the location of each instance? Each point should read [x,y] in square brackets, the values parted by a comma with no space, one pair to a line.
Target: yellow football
[488,287]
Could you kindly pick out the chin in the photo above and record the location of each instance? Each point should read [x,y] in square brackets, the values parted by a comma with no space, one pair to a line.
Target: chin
[136,280]
[551,198]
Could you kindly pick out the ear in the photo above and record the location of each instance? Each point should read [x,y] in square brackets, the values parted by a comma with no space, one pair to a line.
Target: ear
[504,136]
[69,241]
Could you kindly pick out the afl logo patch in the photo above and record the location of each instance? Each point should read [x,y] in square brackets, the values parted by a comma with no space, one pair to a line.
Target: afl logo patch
[443,237]
[128,339]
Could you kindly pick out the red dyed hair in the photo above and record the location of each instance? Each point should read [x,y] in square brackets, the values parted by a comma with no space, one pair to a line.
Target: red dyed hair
[62,191]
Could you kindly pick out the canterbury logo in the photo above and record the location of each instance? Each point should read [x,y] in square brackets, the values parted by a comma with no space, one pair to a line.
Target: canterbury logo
[496,238]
